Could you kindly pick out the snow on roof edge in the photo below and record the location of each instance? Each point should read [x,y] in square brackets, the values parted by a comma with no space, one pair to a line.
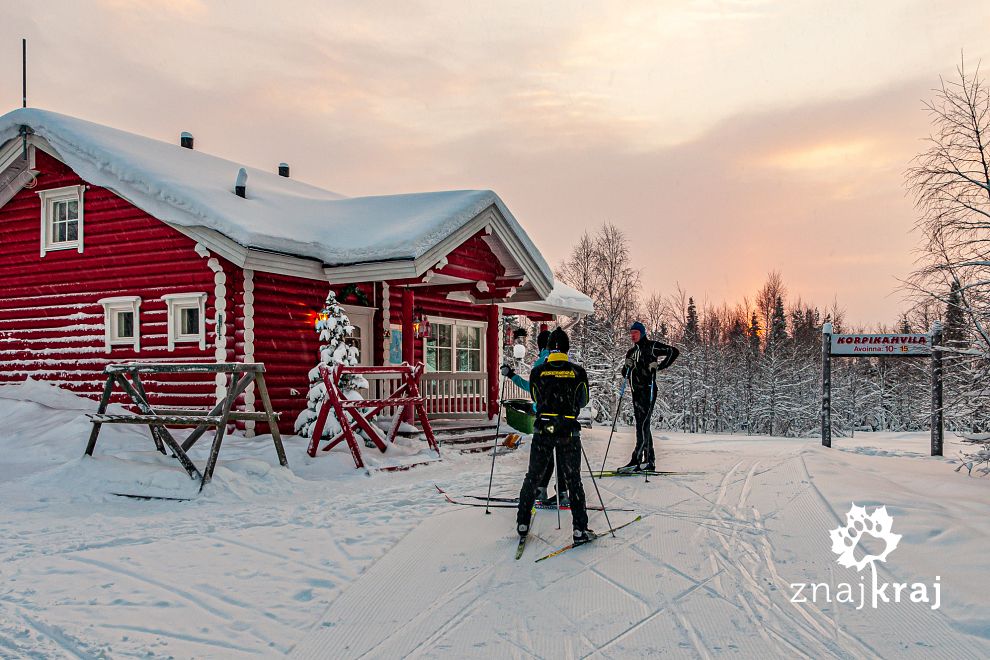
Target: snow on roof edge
[189,188]
[563,300]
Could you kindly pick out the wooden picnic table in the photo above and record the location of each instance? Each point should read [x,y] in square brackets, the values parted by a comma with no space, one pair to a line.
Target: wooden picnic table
[240,375]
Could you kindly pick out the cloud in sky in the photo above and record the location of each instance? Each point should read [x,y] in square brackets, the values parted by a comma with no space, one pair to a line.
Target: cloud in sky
[727,138]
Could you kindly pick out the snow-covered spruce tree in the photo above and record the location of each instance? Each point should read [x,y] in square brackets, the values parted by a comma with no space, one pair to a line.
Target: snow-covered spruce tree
[334,328]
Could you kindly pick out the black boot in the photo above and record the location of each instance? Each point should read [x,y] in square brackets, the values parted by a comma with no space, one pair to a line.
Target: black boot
[551,500]
[583,536]
[631,466]
[650,467]
[523,530]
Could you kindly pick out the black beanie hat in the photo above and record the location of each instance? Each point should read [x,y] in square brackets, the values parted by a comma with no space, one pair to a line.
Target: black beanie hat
[542,339]
[559,341]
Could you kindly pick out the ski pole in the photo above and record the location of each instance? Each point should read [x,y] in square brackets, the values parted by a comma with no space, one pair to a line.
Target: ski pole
[618,407]
[556,474]
[595,483]
[498,426]
[653,403]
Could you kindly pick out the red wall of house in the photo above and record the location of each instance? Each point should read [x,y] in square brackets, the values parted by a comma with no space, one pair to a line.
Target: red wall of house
[285,339]
[51,326]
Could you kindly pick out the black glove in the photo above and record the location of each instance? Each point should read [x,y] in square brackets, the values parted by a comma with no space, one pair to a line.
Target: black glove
[507,371]
[629,363]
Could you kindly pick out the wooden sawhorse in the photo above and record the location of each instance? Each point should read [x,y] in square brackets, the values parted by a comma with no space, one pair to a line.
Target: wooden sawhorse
[240,376]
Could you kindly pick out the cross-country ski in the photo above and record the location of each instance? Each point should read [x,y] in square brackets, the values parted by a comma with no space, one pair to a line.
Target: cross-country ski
[513,503]
[594,536]
[643,473]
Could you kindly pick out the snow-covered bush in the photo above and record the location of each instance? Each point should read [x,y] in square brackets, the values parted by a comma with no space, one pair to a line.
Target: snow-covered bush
[979,456]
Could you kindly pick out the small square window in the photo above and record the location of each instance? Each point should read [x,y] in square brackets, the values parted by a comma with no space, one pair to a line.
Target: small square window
[62,219]
[186,319]
[121,322]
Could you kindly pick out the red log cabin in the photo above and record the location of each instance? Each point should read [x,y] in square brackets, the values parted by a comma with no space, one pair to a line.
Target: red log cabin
[118,247]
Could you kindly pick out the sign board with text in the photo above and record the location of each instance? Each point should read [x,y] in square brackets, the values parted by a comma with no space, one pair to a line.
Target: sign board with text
[910,345]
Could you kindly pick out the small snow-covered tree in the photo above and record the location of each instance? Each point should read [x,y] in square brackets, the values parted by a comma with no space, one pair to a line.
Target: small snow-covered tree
[334,328]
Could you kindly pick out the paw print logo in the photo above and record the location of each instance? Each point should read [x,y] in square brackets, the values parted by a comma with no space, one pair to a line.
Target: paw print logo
[845,539]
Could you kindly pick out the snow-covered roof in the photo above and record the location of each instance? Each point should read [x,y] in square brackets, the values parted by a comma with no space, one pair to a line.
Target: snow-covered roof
[562,300]
[192,189]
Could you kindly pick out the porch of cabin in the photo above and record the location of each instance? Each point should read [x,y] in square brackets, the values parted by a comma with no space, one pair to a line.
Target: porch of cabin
[460,343]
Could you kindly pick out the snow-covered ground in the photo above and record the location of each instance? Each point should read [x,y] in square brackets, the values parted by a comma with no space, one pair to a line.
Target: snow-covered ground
[324,561]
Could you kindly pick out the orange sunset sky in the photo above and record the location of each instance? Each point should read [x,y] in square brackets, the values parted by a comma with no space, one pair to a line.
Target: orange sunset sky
[728,139]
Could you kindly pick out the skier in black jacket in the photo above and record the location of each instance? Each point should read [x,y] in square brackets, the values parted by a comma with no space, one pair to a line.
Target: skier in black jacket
[643,361]
[559,389]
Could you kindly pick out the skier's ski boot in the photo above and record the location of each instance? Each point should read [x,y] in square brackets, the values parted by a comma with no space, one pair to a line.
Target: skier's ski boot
[630,467]
[541,495]
[650,467]
[583,536]
[523,530]
[551,500]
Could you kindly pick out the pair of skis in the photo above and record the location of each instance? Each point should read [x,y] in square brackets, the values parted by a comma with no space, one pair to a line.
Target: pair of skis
[508,502]
[522,541]
[594,537]
[512,503]
[641,473]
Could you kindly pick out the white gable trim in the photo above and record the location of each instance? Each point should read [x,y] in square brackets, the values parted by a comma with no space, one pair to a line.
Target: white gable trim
[14,151]
[490,217]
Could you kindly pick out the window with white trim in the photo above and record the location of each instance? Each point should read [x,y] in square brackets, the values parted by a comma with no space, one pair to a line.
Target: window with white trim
[62,219]
[186,319]
[454,345]
[121,322]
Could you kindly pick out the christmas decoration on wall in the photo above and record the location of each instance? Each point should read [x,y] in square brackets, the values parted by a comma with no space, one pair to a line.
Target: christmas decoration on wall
[352,290]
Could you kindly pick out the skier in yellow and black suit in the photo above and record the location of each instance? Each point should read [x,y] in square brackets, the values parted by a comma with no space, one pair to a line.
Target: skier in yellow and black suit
[560,390]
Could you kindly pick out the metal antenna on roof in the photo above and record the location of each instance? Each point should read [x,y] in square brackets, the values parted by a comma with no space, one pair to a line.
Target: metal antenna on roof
[24,90]
[24,73]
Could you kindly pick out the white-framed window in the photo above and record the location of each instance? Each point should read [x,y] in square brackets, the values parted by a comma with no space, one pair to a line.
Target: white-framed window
[121,322]
[455,345]
[62,219]
[186,319]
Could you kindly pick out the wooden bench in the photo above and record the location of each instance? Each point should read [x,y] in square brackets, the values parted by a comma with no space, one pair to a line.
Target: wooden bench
[157,418]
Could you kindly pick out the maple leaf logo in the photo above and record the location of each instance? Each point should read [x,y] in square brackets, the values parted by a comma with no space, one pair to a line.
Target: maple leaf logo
[878,525]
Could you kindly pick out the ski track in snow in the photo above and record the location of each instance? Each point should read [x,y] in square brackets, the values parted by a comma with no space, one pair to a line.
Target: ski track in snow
[324,561]
[706,582]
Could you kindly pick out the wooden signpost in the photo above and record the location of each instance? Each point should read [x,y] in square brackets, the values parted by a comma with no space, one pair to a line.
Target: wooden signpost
[888,346]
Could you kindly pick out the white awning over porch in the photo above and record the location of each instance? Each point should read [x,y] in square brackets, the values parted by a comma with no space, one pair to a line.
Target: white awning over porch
[563,300]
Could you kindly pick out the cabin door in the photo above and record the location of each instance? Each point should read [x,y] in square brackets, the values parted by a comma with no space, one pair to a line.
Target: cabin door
[362,338]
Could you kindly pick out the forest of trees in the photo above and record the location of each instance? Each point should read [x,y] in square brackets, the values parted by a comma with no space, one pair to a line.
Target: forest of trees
[752,367]
[755,366]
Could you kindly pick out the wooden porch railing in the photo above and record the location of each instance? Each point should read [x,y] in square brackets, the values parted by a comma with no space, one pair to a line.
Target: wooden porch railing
[460,394]
[513,391]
